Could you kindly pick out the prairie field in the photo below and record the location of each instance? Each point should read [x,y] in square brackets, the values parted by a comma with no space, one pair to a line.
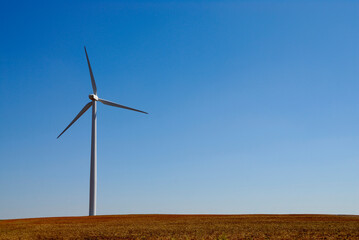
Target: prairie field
[184,227]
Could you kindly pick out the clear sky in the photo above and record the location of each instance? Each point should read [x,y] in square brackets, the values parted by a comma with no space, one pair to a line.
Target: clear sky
[254,107]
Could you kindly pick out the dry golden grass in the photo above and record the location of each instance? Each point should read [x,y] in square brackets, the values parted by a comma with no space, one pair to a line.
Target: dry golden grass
[184,227]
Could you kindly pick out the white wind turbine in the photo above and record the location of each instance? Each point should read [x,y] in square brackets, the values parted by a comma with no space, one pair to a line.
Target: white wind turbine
[94,98]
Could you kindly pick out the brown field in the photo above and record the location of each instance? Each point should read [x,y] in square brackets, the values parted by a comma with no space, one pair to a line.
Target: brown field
[184,227]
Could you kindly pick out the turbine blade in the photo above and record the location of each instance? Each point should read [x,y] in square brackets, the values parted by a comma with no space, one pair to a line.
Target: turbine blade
[119,105]
[87,106]
[94,88]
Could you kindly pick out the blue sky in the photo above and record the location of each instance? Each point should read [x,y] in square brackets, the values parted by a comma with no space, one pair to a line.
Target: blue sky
[254,107]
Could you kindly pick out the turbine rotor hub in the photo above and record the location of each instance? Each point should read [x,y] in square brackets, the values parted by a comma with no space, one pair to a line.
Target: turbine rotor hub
[93,97]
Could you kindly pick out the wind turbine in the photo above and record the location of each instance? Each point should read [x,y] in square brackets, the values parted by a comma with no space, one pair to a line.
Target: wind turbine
[94,99]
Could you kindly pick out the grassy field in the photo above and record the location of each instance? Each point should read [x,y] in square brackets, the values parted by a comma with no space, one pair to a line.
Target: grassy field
[184,227]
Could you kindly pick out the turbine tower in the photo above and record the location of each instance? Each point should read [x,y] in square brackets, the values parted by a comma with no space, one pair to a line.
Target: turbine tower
[94,99]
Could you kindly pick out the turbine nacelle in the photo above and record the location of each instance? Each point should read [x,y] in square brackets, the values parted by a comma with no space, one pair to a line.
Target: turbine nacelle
[93,97]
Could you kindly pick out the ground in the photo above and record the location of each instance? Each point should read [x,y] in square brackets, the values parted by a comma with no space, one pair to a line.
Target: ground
[184,227]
